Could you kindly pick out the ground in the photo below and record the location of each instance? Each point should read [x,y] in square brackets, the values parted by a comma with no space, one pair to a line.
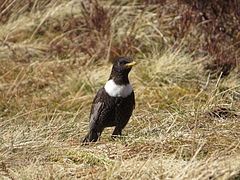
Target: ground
[55,56]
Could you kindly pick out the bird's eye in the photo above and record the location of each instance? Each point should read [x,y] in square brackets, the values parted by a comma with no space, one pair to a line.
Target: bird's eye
[122,62]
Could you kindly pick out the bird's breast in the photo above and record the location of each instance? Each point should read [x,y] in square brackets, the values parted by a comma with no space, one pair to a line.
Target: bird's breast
[115,90]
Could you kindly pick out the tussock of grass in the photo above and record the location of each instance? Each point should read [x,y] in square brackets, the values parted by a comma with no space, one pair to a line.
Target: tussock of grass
[78,157]
[54,59]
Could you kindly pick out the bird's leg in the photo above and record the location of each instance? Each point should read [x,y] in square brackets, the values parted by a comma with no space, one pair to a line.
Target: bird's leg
[93,135]
[117,132]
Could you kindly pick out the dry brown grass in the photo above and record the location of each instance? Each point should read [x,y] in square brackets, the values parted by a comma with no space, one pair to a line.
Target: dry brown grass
[53,60]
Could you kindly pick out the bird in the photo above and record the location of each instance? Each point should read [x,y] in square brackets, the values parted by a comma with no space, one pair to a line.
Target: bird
[114,102]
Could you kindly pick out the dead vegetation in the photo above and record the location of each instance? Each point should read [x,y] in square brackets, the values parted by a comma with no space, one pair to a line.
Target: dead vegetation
[54,56]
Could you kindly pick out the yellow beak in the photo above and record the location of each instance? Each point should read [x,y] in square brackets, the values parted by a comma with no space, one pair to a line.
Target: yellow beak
[131,63]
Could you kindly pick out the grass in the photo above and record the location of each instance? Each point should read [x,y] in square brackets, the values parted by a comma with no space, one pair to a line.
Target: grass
[55,56]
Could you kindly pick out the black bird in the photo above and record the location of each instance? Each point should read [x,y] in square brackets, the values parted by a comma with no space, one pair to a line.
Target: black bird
[113,103]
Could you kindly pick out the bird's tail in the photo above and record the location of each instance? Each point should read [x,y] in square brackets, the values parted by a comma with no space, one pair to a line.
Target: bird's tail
[92,136]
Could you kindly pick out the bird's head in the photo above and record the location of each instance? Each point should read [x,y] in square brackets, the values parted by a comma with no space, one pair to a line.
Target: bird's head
[123,64]
[121,67]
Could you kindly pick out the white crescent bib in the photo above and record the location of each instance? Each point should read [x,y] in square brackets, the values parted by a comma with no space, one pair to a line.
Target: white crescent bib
[116,90]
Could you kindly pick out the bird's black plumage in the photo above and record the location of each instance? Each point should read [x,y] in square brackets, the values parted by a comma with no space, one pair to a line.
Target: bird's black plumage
[112,107]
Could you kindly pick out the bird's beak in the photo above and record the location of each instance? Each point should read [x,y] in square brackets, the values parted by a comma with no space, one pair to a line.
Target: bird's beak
[131,63]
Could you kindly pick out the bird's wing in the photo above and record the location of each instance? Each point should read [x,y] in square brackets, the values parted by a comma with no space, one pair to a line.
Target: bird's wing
[99,110]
